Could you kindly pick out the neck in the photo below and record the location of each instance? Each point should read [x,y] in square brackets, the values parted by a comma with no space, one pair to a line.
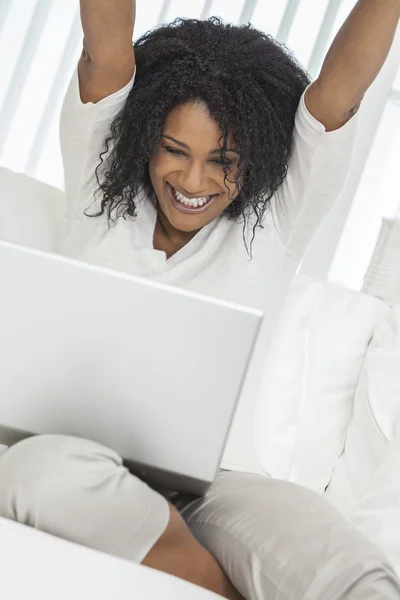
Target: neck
[167,238]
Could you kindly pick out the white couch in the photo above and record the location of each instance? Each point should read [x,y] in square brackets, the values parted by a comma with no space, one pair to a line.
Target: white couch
[33,564]
[326,417]
[38,566]
[30,211]
[328,413]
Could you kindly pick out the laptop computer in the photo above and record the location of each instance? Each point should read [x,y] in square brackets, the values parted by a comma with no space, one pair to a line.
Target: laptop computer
[150,370]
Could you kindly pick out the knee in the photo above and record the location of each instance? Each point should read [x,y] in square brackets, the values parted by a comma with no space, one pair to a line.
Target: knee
[80,491]
[47,470]
[255,524]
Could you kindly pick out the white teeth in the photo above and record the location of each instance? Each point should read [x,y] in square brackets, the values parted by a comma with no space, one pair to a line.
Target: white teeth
[191,202]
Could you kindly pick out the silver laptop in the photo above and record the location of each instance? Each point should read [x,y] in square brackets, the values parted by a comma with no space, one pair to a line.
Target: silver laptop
[149,370]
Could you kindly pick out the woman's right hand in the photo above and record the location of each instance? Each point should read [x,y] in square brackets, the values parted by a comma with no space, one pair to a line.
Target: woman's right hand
[107,63]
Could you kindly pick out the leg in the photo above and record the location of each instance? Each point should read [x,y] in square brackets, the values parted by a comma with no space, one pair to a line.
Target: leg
[179,553]
[278,541]
[79,491]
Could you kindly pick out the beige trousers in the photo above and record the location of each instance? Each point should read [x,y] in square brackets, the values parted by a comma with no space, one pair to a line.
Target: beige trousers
[275,540]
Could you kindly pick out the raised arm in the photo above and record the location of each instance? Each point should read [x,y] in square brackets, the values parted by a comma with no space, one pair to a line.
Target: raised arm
[353,62]
[107,63]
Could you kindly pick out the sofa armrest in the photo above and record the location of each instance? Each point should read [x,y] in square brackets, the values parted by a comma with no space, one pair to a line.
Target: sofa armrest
[31,212]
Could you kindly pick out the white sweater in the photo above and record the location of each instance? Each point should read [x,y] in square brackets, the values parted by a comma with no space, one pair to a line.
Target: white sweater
[215,261]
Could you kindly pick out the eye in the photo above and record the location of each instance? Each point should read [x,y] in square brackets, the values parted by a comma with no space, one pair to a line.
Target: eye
[174,151]
[227,164]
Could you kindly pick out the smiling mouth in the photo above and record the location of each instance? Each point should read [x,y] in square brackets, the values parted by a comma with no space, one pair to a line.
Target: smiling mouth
[189,205]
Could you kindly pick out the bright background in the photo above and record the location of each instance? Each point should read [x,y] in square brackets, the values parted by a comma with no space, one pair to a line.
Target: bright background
[40,41]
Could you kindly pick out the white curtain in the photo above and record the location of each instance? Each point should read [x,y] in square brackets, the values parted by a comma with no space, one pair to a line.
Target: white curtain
[40,41]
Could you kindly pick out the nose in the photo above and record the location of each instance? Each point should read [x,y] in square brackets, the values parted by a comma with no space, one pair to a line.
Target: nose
[194,179]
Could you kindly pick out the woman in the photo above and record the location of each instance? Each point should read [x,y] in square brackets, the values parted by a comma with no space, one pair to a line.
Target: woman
[209,169]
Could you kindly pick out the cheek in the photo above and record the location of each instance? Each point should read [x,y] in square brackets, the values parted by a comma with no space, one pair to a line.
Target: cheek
[152,170]
[161,165]
[157,172]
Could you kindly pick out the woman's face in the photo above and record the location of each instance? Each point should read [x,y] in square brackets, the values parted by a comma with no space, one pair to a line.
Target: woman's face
[186,171]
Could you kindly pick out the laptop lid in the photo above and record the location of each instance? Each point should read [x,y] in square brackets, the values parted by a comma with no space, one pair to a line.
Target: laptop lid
[152,371]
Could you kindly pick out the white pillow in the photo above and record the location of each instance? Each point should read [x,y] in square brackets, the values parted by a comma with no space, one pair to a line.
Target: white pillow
[365,450]
[377,515]
[31,212]
[369,469]
[311,375]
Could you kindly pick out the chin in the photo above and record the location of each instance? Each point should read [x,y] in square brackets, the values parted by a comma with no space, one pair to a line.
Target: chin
[184,224]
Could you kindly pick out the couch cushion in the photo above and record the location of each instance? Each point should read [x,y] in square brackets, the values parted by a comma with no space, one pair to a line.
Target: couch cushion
[365,450]
[31,212]
[311,375]
[377,514]
[365,483]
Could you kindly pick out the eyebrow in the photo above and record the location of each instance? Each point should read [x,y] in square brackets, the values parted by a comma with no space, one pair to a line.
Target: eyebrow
[218,151]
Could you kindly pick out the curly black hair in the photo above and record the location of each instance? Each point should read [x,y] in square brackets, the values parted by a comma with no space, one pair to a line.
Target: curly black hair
[251,85]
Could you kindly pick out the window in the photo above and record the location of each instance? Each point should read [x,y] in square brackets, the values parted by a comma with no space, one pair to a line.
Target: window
[378,192]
